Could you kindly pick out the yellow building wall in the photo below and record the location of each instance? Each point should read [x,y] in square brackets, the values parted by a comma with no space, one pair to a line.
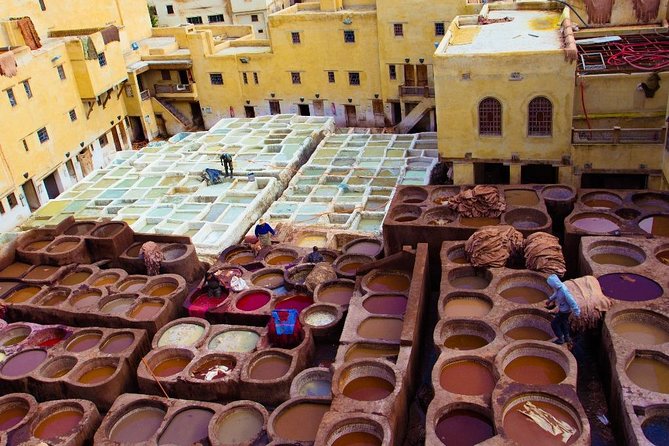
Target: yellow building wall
[622,13]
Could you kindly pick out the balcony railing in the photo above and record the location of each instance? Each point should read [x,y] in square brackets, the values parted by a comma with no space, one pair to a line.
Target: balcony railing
[424,91]
[145,95]
[617,135]
[173,88]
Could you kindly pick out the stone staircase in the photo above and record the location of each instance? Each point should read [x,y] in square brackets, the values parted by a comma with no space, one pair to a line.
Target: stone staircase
[411,119]
[189,125]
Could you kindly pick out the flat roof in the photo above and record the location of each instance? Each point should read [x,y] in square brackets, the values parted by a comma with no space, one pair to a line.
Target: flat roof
[526,31]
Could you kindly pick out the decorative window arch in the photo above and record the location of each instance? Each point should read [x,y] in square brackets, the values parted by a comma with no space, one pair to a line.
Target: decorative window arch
[490,117]
[540,117]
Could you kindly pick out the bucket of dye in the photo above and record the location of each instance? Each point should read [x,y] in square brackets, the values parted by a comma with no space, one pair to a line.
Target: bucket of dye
[285,330]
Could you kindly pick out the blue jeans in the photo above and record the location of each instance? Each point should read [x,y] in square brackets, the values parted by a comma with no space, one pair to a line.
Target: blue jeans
[560,325]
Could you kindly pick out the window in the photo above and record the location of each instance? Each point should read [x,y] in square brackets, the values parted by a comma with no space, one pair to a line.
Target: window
[295,37]
[11,199]
[255,78]
[216,18]
[26,87]
[398,29]
[540,117]
[245,78]
[194,20]
[42,6]
[216,78]
[295,78]
[102,59]
[165,75]
[392,72]
[439,29]
[61,72]
[42,135]
[170,9]
[490,117]
[254,17]
[331,77]
[354,78]
[103,140]
[73,115]
[349,36]
[25,145]
[260,31]
[11,97]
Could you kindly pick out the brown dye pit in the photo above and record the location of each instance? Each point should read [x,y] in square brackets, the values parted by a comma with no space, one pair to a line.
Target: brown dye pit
[357,439]
[35,246]
[663,257]
[108,230]
[83,342]
[132,285]
[15,270]
[55,298]
[23,363]
[84,300]
[465,342]
[380,351]
[281,260]
[117,306]
[391,304]
[242,259]
[269,280]
[133,251]
[138,425]
[470,282]
[614,259]
[368,388]
[337,294]
[526,432]
[22,295]
[214,369]
[190,426]
[601,203]
[300,421]
[350,268]
[106,279]
[63,247]
[535,370]
[656,225]
[528,333]
[462,427]
[467,378]
[79,229]
[381,328]
[6,286]
[170,366]
[117,343]
[477,222]
[97,374]
[389,282]
[364,248]
[59,424]
[466,307]
[12,416]
[650,374]
[598,225]
[174,252]
[163,290]
[59,373]
[239,426]
[75,278]
[270,367]
[519,197]
[146,310]
[641,332]
[523,295]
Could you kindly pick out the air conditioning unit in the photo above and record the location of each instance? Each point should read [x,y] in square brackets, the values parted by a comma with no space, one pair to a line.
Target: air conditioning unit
[182,87]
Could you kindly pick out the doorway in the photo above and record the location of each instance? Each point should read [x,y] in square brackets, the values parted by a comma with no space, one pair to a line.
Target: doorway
[196,112]
[318,108]
[614,181]
[117,141]
[31,195]
[421,75]
[250,111]
[183,77]
[136,129]
[538,174]
[409,76]
[274,108]
[351,116]
[162,127]
[396,112]
[303,109]
[491,173]
[51,185]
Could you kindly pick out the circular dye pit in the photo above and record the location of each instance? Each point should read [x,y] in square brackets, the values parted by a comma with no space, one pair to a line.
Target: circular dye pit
[439,216]
[15,270]
[270,367]
[12,413]
[521,197]
[320,317]
[171,366]
[642,327]
[469,278]
[298,302]
[54,298]
[649,373]
[467,377]
[368,388]
[663,256]
[614,259]
[365,247]
[138,425]
[601,200]
[85,299]
[627,213]
[132,285]
[23,363]
[337,293]
[651,201]
[479,222]
[457,306]
[358,439]
[392,304]
[386,282]
[79,229]
[117,343]
[241,425]
[462,427]
[525,432]
[465,342]
[412,195]
[441,195]
[656,225]
[36,246]
[300,421]
[405,213]
[316,388]
[173,252]
[629,287]
[146,310]
[528,333]
[524,295]
[389,329]
[526,325]
[61,247]
[59,424]
[181,335]
[535,370]
[280,257]
[117,306]
[14,335]
[187,427]
[235,341]
[371,351]
[97,375]
[58,367]
[656,429]
[106,279]
[270,279]
[162,289]
[457,255]
[22,295]
[253,300]
[214,369]
[83,342]
[108,230]
[241,257]
[309,241]
[75,278]
[595,223]
[526,218]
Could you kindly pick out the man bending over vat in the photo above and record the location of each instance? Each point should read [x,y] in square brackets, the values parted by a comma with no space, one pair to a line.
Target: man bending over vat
[565,303]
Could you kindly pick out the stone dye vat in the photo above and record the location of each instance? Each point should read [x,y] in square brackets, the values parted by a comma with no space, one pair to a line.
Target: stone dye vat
[67,422]
[348,183]
[495,358]
[53,361]
[148,419]
[160,190]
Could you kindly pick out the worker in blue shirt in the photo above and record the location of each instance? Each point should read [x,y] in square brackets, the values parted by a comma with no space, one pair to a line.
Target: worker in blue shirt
[264,233]
[566,304]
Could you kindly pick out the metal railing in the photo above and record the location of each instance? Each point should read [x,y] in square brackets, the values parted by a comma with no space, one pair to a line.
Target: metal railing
[617,135]
[424,91]
[145,95]
[173,88]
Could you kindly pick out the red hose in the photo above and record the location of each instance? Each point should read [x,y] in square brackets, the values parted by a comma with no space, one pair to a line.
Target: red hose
[585,111]
[644,56]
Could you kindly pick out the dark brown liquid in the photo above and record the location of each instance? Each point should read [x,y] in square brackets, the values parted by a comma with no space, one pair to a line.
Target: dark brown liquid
[393,305]
[389,282]
[12,416]
[242,259]
[381,328]
[656,225]
[63,247]
[520,333]
[535,370]
[368,388]
[614,259]
[58,425]
[269,280]
[601,203]
[477,222]
[524,295]
[15,270]
[357,439]
[463,427]
[97,375]
[34,246]
[270,367]
[214,369]
[467,378]
[465,342]
[336,294]
[170,367]
[351,267]
[526,432]
[300,421]
[519,197]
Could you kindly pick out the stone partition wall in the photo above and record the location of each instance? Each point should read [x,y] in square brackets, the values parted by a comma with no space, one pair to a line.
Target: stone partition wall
[56,361]
[635,335]
[495,356]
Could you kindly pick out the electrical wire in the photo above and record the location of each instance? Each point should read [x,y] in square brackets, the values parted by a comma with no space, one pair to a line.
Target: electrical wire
[644,56]
[585,24]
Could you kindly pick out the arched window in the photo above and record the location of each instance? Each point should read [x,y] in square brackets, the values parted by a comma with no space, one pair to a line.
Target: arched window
[490,117]
[540,117]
